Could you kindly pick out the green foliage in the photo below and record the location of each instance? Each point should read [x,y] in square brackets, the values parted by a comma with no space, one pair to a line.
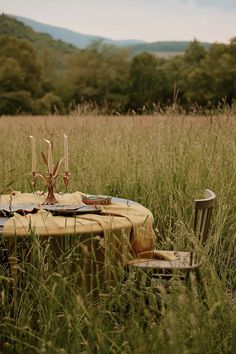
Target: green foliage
[143,80]
[195,53]
[193,80]
[100,75]
[11,75]
[57,50]
[16,102]
[61,78]
[48,104]
[20,53]
[20,75]
[12,27]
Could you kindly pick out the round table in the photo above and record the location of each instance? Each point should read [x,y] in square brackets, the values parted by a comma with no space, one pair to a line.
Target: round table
[92,241]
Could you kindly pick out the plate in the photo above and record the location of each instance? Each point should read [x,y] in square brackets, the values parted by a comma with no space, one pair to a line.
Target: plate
[70,210]
[21,208]
[96,199]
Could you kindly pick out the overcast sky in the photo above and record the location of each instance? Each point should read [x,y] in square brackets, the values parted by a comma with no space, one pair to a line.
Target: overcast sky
[150,20]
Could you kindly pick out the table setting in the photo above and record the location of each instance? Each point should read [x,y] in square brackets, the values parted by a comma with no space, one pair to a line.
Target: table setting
[52,213]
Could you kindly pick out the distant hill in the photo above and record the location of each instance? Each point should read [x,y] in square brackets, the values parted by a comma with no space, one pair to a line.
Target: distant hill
[83,40]
[165,47]
[77,39]
[13,27]
[57,50]
[64,41]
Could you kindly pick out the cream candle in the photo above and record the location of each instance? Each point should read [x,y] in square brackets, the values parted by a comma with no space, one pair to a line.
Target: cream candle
[66,153]
[33,145]
[50,158]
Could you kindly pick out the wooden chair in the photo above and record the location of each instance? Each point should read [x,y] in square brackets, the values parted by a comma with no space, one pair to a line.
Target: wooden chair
[166,264]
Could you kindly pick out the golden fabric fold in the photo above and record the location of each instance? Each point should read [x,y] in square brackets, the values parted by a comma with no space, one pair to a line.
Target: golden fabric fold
[134,221]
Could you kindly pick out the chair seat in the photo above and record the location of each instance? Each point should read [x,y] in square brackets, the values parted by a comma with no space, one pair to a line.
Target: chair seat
[173,260]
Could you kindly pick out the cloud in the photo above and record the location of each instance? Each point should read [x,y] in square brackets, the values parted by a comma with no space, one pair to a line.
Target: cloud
[223,4]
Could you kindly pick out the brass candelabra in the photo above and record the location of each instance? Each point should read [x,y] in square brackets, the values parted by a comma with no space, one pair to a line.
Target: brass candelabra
[50,177]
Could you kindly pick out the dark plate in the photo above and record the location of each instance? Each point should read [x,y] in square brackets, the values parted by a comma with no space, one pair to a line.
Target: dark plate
[96,199]
[20,208]
[70,210]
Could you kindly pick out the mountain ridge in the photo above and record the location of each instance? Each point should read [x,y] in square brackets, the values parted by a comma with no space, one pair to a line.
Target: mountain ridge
[79,40]
[71,39]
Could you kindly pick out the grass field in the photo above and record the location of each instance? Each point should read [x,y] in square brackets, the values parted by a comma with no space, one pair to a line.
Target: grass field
[163,162]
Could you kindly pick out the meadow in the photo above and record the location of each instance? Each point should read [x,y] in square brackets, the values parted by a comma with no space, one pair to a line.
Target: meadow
[162,162]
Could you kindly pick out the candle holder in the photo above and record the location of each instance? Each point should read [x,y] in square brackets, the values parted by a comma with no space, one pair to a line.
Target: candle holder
[50,178]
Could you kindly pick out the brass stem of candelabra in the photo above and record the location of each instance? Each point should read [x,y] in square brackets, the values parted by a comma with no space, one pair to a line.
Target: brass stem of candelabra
[50,199]
[66,179]
[50,181]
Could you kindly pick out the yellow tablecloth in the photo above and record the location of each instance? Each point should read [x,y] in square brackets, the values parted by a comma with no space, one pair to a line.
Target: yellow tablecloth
[134,220]
[18,197]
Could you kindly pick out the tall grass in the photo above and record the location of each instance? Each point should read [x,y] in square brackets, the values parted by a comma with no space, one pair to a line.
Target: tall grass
[163,162]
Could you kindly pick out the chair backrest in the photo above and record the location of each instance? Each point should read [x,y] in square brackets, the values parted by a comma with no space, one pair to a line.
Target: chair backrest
[203,210]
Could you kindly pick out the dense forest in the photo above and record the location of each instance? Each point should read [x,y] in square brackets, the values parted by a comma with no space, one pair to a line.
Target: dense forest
[39,75]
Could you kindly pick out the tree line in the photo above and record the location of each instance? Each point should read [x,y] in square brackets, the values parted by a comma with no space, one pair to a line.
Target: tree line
[109,79]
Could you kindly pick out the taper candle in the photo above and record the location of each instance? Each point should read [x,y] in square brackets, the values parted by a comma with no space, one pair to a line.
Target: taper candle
[33,153]
[50,158]
[66,153]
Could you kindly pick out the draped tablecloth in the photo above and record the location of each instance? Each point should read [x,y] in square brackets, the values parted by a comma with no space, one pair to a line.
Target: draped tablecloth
[93,246]
[130,219]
